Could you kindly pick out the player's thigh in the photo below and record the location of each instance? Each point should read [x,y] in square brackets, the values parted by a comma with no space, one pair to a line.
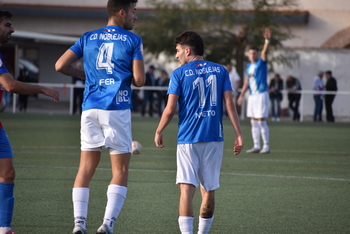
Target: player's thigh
[5,145]
[117,130]
[187,165]
[250,106]
[258,106]
[210,165]
[199,163]
[91,134]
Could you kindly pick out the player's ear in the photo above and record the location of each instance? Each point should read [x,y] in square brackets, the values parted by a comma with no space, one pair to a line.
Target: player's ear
[122,13]
[188,51]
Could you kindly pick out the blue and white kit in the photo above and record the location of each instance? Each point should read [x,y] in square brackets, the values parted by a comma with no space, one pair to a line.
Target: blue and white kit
[108,73]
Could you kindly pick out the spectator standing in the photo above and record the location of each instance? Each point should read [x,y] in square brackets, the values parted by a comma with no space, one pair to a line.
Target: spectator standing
[23,99]
[318,85]
[331,85]
[78,92]
[163,81]
[148,94]
[258,101]
[275,88]
[235,81]
[7,171]
[293,84]
[200,97]
[113,59]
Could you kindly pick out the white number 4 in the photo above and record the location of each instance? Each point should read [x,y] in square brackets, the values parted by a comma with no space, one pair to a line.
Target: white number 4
[104,57]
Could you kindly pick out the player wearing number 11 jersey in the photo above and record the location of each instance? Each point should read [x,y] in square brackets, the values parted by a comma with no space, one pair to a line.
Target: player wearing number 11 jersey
[199,88]
[113,59]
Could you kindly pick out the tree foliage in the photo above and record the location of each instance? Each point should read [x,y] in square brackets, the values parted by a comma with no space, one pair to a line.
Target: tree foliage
[226,31]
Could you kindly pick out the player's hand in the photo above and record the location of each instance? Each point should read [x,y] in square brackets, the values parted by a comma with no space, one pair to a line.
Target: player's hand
[238,145]
[52,93]
[267,33]
[158,140]
[239,101]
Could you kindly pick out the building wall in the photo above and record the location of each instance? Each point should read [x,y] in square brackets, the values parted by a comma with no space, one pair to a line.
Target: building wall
[327,19]
[310,62]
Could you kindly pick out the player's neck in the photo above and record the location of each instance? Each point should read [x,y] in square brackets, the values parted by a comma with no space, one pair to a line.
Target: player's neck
[114,22]
[195,57]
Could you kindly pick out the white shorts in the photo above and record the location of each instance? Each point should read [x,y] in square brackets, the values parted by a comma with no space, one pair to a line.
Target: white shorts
[258,105]
[110,129]
[200,163]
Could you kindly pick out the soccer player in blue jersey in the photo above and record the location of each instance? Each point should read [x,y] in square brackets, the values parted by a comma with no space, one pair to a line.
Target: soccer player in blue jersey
[199,88]
[113,59]
[7,171]
[258,101]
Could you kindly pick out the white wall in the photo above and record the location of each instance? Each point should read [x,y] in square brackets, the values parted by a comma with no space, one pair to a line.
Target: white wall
[310,62]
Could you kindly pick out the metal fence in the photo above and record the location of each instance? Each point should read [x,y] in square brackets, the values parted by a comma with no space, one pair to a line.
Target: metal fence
[68,89]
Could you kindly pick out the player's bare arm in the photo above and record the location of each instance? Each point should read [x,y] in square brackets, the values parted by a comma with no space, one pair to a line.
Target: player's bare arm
[65,65]
[138,68]
[267,36]
[167,115]
[233,116]
[18,87]
[244,89]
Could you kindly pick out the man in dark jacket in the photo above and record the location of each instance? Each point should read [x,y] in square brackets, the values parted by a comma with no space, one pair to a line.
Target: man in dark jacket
[148,94]
[275,88]
[331,85]
[293,84]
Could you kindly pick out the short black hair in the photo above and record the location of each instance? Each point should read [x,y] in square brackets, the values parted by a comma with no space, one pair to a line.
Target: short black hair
[5,15]
[191,39]
[329,72]
[113,6]
[253,48]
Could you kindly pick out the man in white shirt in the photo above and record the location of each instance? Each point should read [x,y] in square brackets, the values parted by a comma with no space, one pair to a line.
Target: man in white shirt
[235,80]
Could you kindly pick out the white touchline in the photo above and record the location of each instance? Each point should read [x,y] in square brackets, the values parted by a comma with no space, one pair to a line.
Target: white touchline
[223,173]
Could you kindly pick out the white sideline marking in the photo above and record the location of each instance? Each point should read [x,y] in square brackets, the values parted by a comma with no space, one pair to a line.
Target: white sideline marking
[145,155]
[222,173]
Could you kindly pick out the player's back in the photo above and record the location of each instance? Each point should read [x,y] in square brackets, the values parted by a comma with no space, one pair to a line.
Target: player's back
[200,85]
[108,54]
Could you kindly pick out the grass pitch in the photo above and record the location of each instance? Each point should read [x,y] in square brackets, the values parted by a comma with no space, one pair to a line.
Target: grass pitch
[302,186]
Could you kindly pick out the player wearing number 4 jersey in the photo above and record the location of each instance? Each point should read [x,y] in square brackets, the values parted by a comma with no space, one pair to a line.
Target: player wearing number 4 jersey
[199,88]
[113,59]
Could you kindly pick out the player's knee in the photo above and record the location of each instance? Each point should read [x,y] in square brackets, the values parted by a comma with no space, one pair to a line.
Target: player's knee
[8,175]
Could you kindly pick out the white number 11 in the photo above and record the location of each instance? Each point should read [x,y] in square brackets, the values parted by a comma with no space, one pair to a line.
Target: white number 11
[199,84]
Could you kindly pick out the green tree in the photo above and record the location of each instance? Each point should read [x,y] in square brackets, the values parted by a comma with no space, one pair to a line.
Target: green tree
[226,31]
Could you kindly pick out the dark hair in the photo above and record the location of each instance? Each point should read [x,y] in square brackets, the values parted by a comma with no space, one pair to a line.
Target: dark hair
[114,6]
[5,15]
[191,39]
[253,48]
[329,72]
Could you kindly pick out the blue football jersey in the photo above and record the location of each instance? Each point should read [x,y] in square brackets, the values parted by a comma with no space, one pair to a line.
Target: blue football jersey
[108,55]
[3,69]
[200,86]
[257,77]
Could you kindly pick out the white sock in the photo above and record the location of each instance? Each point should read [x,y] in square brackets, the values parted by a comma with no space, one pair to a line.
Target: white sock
[265,133]
[204,225]
[115,200]
[3,230]
[256,133]
[80,197]
[186,224]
